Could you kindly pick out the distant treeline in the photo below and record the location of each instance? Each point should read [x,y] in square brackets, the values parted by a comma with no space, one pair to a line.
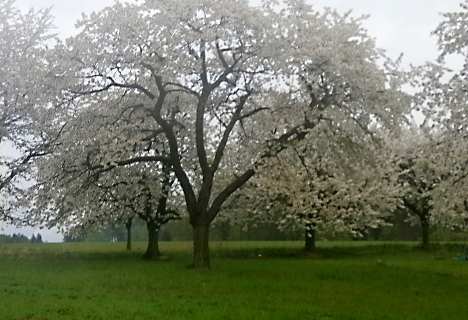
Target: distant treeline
[20,238]
[180,230]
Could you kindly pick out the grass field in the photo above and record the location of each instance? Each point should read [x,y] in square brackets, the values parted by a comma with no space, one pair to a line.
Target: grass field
[261,280]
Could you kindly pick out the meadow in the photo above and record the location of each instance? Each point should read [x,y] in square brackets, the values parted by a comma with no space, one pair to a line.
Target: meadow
[248,280]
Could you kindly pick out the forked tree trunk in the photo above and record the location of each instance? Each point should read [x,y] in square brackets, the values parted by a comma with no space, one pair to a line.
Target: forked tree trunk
[426,245]
[309,240]
[152,251]
[128,225]
[201,250]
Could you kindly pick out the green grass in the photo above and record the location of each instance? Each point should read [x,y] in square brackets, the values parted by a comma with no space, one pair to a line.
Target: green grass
[260,280]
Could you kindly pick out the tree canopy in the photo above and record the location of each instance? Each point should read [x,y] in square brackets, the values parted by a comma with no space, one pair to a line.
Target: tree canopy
[186,83]
[277,105]
[25,94]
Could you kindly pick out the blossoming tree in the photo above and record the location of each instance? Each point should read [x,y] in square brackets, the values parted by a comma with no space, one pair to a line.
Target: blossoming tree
[335,180]
[217,77]
[25,94]
[432,159]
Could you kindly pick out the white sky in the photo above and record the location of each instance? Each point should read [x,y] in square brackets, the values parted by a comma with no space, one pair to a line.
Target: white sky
[400,26]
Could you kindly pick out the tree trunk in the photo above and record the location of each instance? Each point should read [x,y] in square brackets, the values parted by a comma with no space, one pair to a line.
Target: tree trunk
[128,225]
[201,250]
[425,234]
[309,240]
[152,251]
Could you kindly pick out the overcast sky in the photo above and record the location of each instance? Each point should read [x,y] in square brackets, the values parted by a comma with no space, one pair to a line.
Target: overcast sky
[400,26]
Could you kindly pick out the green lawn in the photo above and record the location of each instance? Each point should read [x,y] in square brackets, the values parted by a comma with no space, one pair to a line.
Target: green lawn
[261,280]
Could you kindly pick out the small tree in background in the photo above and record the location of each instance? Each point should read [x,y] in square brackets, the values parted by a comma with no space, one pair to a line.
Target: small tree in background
[334,181]
[429,165]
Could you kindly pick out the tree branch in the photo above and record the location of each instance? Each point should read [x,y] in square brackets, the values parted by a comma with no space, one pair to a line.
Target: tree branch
[229,190]
[227,132]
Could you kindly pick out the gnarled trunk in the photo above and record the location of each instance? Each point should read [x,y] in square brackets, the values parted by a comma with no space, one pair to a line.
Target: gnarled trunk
[201,250]
[309,239]
[152,251]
